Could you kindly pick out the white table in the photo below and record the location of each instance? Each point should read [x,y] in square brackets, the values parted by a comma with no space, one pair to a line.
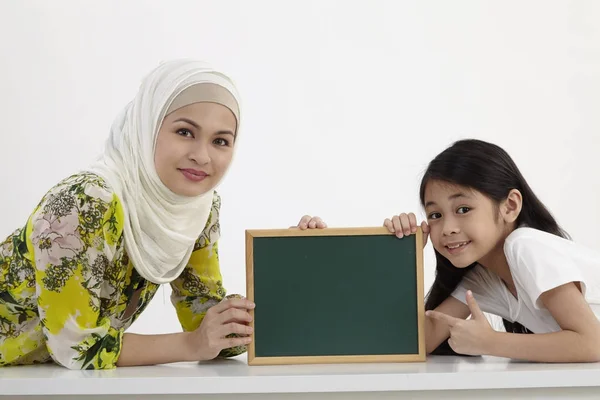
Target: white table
[439,377]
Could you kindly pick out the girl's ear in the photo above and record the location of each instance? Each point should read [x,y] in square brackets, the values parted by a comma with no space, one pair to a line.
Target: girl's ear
[511,207]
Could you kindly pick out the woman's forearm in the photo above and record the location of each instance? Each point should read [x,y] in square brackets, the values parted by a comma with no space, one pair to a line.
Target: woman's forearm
[154,349]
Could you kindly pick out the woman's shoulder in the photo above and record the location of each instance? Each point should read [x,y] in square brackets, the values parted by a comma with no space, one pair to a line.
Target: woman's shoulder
[78,192]
[84,185]
[212,229]
[216,200]
[215,210]
[79,212]
[83,199]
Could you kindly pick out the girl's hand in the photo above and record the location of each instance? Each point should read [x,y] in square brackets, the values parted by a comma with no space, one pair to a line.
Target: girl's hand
[472,336]
[224,326]
[406,224]
[308,222]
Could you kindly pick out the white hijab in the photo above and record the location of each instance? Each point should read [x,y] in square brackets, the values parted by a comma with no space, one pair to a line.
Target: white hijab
[161,227]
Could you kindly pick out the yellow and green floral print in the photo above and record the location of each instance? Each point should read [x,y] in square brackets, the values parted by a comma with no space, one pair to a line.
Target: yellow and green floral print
[68,290]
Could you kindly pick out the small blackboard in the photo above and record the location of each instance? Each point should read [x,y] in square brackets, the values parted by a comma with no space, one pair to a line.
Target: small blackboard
[335,295]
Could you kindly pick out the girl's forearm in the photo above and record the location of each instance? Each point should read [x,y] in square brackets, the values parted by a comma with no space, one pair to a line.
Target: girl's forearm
[435,334]
[563,346]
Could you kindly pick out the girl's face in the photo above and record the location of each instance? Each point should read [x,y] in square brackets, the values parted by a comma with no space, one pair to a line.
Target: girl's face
[465,225]
[194,147]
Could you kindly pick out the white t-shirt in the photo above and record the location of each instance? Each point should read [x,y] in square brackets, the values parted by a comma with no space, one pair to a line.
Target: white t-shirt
[538,262]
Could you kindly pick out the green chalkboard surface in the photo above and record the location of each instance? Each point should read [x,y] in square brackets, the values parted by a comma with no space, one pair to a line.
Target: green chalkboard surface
[335,295]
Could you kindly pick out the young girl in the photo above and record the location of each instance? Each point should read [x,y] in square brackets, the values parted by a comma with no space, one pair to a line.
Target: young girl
[500,251]
[96,248]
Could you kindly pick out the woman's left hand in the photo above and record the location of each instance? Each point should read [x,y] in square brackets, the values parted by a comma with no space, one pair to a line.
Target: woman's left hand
[308,222]
[472,336]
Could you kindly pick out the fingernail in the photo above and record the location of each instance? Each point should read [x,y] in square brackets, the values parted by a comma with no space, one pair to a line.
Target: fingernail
[407,232]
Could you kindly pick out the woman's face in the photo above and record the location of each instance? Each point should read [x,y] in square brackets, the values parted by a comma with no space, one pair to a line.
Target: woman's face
[194,147]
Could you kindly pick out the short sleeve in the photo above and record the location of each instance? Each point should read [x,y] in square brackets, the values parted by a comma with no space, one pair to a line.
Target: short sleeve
[541,261]
[71,236]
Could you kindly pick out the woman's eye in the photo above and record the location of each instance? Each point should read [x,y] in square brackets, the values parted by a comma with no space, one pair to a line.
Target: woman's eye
[185,132]
[221,142]
[434,215]
[463,210]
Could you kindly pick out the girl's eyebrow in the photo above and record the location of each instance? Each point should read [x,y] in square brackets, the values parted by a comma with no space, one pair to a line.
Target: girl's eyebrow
[451,197]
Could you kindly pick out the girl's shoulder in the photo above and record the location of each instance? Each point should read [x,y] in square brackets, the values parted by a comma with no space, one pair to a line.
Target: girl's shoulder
[535,249]
[528,250]
[527,237]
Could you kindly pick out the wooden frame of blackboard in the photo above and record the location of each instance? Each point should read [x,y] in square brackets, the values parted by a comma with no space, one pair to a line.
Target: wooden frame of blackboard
[418,357]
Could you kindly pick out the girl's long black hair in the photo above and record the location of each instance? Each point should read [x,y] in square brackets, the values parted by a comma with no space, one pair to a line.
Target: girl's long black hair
[489,169]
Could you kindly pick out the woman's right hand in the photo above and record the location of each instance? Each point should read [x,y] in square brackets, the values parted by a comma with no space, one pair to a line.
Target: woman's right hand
[230,317]
[406,224]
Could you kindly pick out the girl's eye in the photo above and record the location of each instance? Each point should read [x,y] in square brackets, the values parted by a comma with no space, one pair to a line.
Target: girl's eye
[221,142]
[184,132]
[434,215]
[463,210]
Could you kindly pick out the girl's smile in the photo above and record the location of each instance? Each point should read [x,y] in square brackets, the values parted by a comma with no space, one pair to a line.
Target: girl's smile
[457,247]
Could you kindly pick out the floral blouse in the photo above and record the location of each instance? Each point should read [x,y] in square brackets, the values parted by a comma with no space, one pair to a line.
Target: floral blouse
[68,290]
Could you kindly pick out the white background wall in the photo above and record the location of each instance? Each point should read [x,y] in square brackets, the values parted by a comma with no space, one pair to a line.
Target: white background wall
[344,102]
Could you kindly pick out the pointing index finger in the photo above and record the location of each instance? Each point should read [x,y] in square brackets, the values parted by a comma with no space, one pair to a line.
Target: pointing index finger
[451,321]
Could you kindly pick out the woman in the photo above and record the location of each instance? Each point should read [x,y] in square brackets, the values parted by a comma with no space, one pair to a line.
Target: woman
[96,248]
